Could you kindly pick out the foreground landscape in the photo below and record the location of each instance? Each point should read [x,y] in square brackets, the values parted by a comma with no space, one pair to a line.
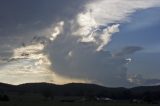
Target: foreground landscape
[77,94]
[72,104]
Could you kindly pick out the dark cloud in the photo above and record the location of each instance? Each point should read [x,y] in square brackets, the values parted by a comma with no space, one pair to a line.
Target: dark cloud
[21,16]
[73,59]
[20,20]
[139,80]
[151,82]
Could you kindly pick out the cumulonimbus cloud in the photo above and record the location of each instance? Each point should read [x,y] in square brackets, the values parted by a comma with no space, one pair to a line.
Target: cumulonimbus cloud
[79,51]
[75,46]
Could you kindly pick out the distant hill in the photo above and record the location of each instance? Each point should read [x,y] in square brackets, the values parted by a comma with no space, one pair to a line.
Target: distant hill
[79,89]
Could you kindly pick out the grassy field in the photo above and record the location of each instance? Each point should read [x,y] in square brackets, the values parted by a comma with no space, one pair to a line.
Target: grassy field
[40,100]
[50,103]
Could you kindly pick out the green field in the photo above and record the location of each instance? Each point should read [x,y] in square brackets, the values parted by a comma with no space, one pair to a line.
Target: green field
[42,100]
[50,103]
[53,103]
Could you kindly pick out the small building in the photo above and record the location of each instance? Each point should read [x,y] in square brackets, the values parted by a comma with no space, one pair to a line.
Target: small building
[104,99]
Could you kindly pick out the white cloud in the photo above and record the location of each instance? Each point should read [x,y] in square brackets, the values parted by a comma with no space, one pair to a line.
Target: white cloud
[111,11]
[57,30]
[106,35]
[104,12]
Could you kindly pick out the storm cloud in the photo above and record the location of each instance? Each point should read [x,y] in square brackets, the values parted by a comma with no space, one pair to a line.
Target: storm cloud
[78,52]
[67,40]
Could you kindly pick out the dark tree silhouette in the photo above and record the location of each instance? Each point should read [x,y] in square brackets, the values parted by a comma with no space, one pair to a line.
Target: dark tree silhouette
[148,97]
[4,98]
[127,94]
[48,94]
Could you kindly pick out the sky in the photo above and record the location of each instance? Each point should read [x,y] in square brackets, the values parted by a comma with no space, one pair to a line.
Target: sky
[114,43]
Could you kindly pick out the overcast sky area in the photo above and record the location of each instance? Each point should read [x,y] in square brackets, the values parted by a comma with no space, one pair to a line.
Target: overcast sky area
[115,43]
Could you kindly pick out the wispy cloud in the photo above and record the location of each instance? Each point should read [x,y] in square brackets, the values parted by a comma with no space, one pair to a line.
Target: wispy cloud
[104,12]
[129,50]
